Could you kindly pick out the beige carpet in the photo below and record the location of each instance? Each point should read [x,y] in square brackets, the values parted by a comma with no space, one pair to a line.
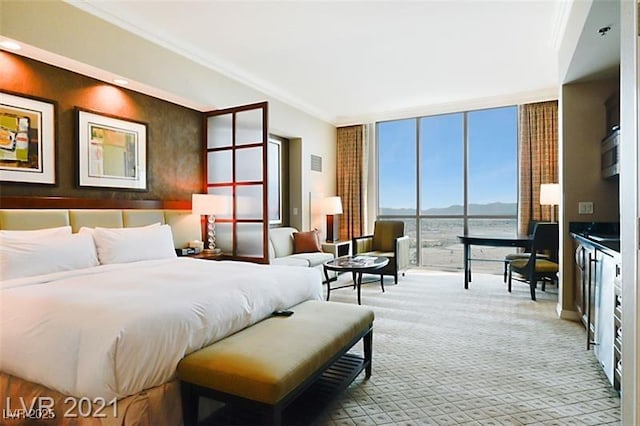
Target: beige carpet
[444,355]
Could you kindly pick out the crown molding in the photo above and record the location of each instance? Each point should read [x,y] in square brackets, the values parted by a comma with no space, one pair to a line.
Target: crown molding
[215,64]
[541,95]
[559,26]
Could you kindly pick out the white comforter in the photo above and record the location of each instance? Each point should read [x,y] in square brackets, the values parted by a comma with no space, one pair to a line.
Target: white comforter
[114,330]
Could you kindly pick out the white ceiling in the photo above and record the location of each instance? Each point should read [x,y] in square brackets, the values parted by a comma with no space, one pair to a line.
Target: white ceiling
[345,61]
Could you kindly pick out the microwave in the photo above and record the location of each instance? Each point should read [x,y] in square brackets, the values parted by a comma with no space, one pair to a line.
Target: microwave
[609,154]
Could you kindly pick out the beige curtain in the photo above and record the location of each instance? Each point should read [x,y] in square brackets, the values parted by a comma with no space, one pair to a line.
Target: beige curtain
[538,159]
[350,178]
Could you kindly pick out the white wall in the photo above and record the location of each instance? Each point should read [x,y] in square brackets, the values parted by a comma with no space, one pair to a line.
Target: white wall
[630,208]
[64,30]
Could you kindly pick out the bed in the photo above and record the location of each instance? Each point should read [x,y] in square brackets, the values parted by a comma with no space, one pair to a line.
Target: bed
[110,335]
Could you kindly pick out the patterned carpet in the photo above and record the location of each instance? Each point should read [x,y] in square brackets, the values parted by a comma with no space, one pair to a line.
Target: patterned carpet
[444,356]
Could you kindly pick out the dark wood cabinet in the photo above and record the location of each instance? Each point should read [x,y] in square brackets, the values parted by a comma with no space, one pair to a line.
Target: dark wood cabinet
[583,286]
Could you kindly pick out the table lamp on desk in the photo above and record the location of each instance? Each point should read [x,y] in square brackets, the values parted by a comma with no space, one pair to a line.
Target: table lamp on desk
[550,196]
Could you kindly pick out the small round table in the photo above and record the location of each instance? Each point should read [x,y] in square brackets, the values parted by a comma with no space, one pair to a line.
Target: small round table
[357,265]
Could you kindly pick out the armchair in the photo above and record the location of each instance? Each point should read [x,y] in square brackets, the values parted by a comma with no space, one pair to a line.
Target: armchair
[388,240]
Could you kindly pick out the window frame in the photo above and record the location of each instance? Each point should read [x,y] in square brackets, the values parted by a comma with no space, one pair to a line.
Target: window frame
[465,216]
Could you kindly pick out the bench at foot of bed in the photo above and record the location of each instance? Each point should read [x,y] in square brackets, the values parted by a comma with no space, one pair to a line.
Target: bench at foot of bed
[272,362]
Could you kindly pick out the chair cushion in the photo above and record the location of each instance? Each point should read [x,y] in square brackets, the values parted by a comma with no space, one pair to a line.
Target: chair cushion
[388,254]
[289,261]
[306,242]
[542,265]
[514,256]
[312,259]
[385,234]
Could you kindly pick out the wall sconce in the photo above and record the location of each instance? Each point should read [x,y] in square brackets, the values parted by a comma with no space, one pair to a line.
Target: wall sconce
[550,196]
[208,205]
[332,206]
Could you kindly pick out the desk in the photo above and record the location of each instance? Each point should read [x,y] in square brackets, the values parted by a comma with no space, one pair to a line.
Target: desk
[486,240]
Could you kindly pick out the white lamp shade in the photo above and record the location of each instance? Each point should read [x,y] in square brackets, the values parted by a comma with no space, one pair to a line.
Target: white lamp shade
[550,194]
[207,204]
[332,205]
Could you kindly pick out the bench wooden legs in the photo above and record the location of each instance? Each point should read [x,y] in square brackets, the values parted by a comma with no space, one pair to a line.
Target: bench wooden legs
[191,393]
[190,402]
[276,416]
[368,358]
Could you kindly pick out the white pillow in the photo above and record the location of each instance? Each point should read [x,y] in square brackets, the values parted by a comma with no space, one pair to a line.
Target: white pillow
[87,230]
[36,233]
[124,245]
[21,257]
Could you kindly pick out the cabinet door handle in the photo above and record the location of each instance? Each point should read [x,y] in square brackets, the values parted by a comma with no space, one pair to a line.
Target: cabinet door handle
[588,283]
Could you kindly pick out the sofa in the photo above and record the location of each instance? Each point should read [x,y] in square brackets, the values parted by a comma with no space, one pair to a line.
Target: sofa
[281,250]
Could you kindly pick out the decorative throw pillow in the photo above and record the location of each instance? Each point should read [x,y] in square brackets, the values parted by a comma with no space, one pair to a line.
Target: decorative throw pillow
[306,242]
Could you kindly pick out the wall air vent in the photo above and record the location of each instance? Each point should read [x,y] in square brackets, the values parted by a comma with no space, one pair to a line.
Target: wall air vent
[316,163]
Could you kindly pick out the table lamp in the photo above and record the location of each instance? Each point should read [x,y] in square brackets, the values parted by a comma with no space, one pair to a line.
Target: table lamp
[207,205]
[332,206]
[550,196]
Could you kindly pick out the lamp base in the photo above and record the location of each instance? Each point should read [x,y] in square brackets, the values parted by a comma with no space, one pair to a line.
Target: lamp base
[333,229]
[212,251]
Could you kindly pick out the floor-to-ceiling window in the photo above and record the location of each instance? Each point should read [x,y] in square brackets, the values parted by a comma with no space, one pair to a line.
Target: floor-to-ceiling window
[446,173]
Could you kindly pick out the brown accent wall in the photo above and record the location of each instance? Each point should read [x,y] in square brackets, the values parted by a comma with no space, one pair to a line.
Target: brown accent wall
[174,153]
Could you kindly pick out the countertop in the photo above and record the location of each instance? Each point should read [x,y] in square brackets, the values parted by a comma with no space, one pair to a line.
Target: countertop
[606,243]
[604,236]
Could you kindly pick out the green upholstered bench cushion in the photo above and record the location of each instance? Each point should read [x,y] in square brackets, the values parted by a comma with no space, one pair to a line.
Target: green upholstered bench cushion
[268,360]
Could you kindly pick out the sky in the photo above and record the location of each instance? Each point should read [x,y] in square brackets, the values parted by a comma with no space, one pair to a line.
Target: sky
[492,159]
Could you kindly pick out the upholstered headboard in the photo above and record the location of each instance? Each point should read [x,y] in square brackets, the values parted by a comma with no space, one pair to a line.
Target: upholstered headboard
[185,226]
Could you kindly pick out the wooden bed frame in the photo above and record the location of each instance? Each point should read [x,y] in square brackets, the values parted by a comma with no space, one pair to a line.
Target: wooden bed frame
[13,202]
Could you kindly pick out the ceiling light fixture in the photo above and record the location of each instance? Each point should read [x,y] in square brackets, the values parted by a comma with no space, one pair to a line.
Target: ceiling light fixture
[121,81]
[10,45]
[604,30]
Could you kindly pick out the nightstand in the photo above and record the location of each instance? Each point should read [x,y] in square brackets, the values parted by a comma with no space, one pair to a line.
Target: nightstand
[337,248]
[207,256]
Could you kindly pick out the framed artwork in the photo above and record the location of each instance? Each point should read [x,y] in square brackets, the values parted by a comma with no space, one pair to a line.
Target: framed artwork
[27,139]
[112,151]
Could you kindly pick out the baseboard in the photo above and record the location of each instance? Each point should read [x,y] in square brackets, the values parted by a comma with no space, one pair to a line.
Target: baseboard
[567,314]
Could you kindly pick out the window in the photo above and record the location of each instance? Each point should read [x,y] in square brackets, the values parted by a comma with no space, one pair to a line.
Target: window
[397,167]
[446,173]
[274,188]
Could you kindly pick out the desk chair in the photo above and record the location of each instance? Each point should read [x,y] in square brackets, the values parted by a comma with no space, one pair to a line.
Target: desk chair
[534,268]
[524,255]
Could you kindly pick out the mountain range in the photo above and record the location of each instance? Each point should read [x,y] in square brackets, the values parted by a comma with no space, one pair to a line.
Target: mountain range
[496,209]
